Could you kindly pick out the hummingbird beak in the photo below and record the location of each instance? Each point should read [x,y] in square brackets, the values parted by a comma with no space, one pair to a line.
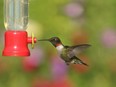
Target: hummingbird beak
[44,40]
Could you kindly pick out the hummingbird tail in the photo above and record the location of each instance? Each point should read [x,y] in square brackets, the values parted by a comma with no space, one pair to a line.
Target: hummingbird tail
[81,62]
[84,64]
[78,61]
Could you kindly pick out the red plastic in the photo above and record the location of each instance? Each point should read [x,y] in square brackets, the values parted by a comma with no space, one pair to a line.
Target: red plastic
[16,43]
[29,40]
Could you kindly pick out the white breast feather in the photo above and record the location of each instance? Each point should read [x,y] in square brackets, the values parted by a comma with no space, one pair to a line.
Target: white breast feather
[59,48]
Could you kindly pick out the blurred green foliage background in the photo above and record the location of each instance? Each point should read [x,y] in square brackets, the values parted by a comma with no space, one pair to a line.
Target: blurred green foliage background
[75,22]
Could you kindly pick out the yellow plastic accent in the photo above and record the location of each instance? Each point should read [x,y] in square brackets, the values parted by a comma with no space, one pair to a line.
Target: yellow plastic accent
[32,45]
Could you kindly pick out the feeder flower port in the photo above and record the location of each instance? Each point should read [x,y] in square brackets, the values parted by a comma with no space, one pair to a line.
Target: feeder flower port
[16,21]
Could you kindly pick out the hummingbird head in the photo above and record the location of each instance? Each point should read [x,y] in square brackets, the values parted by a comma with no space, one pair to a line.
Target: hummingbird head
[54,40]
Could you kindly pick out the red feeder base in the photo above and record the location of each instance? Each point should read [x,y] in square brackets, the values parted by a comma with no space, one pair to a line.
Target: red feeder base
[16,43]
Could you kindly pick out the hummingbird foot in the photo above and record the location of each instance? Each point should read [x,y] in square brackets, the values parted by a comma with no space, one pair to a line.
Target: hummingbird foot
[67,63]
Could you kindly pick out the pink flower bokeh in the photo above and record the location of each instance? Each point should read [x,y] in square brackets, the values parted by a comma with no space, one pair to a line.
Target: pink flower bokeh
[73,10]
[109,38]
[59,68]
[34,60]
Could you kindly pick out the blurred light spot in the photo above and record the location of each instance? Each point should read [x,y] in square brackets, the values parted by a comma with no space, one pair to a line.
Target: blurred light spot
[79,37]
[41,82]
[63,82]
[34,27]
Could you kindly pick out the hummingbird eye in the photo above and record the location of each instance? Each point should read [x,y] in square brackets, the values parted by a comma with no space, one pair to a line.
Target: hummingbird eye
[55,39]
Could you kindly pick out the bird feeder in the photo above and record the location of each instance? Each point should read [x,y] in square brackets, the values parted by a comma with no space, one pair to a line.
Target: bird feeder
[16,21]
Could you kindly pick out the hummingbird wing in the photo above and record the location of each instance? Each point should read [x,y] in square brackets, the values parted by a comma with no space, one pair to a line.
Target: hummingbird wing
[71,51]
[79,48]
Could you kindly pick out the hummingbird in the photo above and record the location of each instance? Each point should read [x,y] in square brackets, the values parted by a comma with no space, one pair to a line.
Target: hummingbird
[68,53]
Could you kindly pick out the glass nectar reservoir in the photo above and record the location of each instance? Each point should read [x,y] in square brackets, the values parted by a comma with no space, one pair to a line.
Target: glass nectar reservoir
[15,14]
